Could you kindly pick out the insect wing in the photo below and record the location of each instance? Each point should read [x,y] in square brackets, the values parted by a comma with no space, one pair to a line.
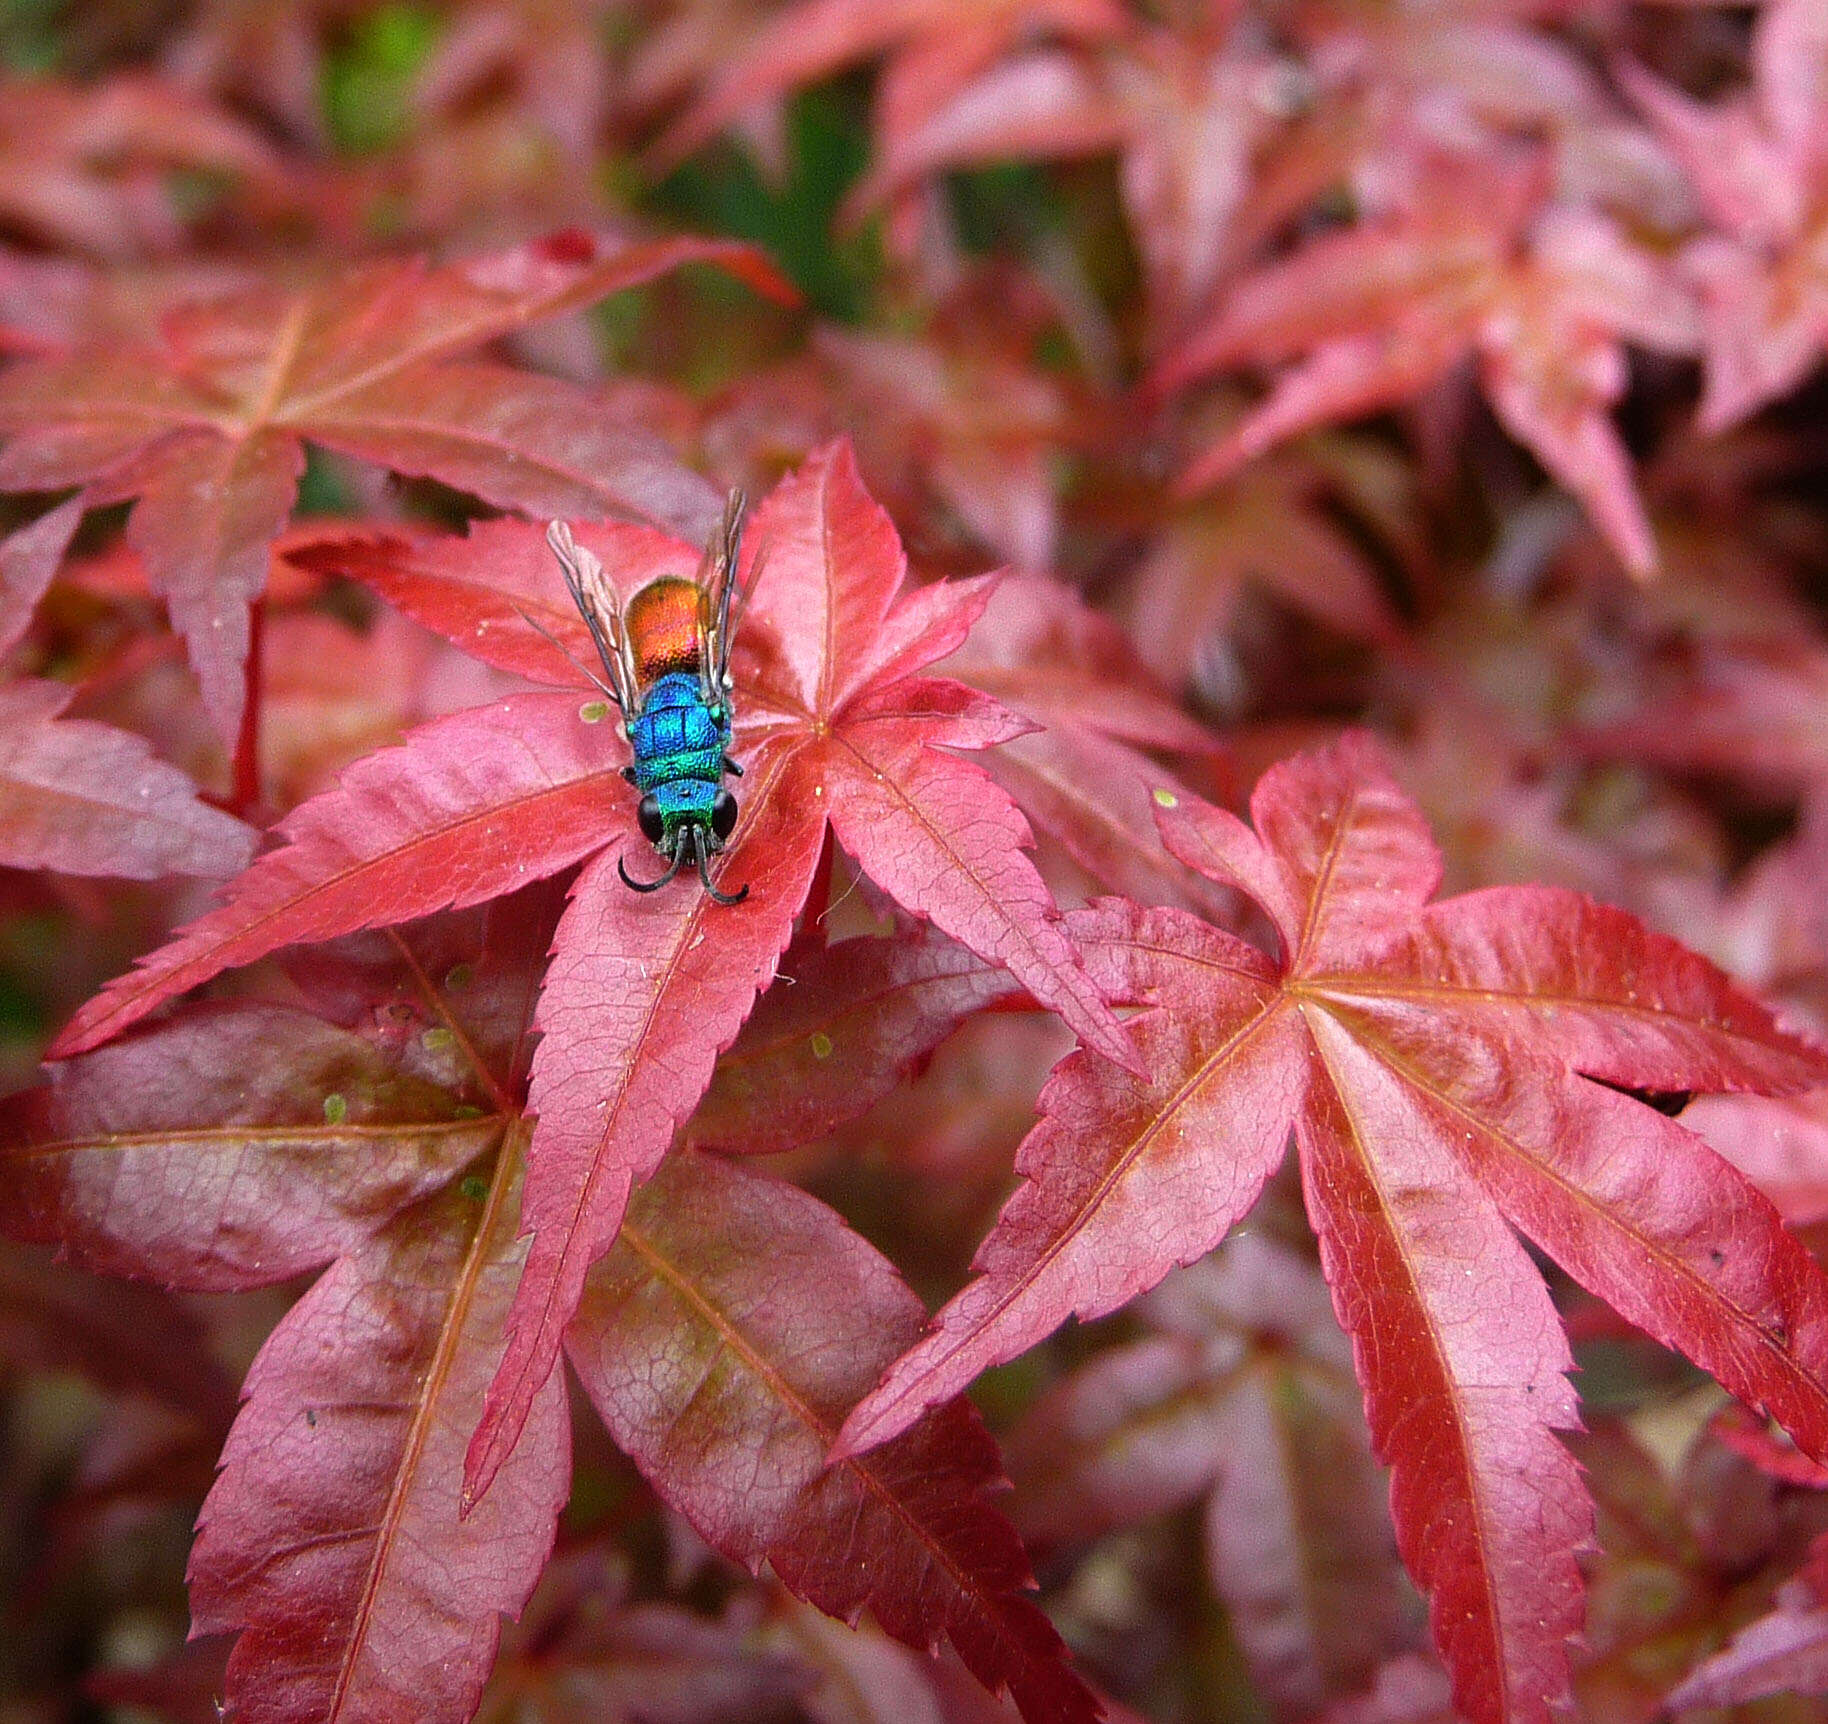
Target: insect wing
[718,577]
[600,608]
[740,609]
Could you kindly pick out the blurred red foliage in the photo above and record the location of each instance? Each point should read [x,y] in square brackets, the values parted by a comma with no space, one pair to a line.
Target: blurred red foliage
[1397,429]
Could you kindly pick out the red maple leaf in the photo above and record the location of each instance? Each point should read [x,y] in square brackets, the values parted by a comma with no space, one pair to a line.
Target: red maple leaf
[584,1650]
[1411,1689]
[975,415]
[96,170]
[29,560]
[540,58]
[857,1018]
[1759,165]
[1748,709]
[1082,777]
[935,48]
[1694,1524]
[1473,264]
[84,798]
[835,723]
[239,1145]
[81,797]
[685,1343]
[1779,1143]
[131,1340]
[953,420]
[1784,1651]
[1241,1393]
[1433,1062]
[384,1133]
[1272,528]
[1186,115]
[207,426]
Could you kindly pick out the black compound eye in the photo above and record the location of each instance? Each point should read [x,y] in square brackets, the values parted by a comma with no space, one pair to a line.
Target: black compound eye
[723,814]
[648,816]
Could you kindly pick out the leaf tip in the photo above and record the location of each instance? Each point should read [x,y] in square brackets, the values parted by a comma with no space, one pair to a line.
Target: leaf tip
[862,1431]
[504,1413]
[896,1403]
[482,1461]
[1213,468]
[87,1030]
[1119,1047]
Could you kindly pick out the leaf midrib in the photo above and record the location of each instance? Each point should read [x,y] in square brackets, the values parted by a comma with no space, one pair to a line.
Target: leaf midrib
[127,999]
[612,1107]
[1228,1050]
[960,867]
[823,1431]
[178,1138]
[1674,1267]
[1372,1171]
[1349,989]
[456,1313]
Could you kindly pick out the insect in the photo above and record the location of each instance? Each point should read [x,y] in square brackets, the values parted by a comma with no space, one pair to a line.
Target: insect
[666,654]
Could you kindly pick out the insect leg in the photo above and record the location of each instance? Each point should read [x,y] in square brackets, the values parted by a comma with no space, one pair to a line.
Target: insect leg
[582,669]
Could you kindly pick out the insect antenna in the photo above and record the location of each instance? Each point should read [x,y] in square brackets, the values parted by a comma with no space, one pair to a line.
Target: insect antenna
[704,873]
[635,885]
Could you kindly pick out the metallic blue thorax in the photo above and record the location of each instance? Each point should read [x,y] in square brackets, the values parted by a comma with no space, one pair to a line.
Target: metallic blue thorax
[680,745]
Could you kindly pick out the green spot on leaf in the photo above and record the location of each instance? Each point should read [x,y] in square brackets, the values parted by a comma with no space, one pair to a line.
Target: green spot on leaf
[1165,798]
[474,1187]
[594,711]
[457,978]
[336,1109]
[466,1110]
[437,1039]
[821,1045]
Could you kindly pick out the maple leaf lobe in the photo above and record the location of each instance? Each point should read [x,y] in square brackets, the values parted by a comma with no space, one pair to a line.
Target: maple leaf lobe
[1429,1060]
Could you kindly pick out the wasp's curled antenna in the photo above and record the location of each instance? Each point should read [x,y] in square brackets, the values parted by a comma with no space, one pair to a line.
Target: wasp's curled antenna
[704,874]
[665,879]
